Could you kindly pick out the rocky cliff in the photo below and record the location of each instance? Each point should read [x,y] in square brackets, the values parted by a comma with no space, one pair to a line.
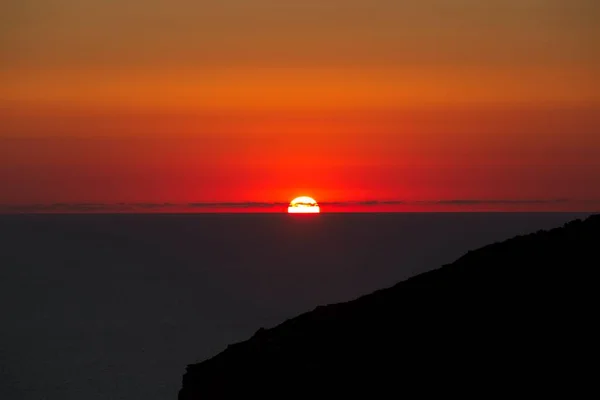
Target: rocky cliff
[512,317]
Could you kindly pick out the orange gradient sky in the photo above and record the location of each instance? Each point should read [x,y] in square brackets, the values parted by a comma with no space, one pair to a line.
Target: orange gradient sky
[262,101]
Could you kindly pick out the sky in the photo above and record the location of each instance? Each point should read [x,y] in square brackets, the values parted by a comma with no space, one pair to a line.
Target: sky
[379,104]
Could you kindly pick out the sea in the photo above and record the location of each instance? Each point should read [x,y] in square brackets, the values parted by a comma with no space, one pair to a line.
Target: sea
[114,306]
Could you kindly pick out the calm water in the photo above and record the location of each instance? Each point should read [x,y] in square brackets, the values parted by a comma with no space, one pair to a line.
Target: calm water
[115,306]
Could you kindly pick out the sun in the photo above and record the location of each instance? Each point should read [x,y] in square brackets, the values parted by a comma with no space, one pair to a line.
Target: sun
[304,205]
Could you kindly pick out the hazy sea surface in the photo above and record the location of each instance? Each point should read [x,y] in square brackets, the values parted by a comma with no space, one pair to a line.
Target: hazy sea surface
[115,306]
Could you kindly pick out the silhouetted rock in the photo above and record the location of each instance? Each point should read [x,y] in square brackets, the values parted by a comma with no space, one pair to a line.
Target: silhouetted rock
[512,318]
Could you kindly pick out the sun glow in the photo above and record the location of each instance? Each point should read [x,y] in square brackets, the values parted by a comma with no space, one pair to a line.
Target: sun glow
[303,205]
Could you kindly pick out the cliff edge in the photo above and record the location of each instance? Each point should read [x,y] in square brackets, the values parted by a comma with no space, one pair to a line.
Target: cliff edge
[514,317]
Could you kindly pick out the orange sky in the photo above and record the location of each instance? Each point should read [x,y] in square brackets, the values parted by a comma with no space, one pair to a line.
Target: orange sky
[261,101]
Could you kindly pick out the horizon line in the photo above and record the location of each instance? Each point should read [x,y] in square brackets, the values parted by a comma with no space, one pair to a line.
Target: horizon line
[191,207]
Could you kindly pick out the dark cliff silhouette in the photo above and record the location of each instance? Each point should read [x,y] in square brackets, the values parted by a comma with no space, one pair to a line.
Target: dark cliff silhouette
[512,317]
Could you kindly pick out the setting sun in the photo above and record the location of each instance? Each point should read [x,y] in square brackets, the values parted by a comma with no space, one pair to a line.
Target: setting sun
[303,205]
